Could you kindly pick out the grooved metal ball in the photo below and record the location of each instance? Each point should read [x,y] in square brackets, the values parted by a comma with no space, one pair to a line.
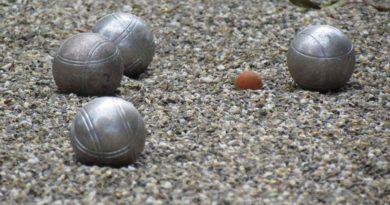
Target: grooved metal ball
[88,64]
[108,131]
[320,58]
[133,38]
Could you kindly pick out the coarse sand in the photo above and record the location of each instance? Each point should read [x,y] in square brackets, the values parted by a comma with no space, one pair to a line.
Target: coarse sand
[207,143]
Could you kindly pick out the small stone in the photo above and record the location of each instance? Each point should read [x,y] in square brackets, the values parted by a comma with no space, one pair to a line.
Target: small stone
[221,67]
[207,79]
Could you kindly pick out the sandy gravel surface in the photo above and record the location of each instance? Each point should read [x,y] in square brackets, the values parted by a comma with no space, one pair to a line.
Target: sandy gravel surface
[207,143]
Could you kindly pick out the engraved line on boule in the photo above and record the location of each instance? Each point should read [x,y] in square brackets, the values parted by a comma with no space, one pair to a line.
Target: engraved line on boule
[86,70]
[79,145]
[77,62]
[91,130]
[92,153]
[106,155]
[121,112]
[134,24]
[141,53]
[119,19]
[134,64]
[318,42]
[117,152]
[140,126]
[317,57]
[94,49]
[131,24]
[129,127]
[145,49]
[90,54]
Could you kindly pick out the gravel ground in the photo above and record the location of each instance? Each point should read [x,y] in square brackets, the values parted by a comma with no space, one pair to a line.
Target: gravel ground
[207,143]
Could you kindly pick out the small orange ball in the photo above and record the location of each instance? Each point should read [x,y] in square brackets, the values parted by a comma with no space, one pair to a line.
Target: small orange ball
[248,80]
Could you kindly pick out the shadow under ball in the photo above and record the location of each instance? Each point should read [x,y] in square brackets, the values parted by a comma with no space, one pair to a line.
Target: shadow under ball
[321,58]
[88,64]
[133,38]
[108,131]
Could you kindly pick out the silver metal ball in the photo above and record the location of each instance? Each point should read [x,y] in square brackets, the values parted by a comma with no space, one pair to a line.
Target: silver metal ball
[133,38]
[108,131]
[320,58]
[88,64]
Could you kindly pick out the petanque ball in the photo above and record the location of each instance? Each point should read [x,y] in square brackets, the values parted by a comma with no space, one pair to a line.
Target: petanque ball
[133,38]
[321,58]
[108,131]
[88,64]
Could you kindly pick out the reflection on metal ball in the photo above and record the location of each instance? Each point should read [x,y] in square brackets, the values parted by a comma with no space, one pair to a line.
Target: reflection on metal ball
[108,131]
[320,58]
[88,64]
[133,38]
